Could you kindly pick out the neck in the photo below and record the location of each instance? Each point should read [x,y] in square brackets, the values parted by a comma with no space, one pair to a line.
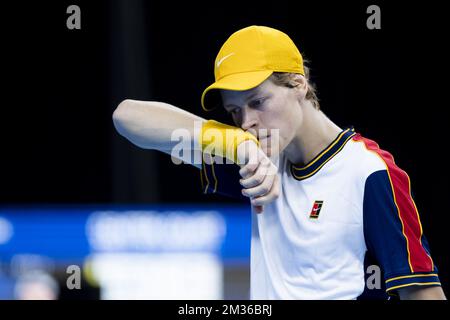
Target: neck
[313,136]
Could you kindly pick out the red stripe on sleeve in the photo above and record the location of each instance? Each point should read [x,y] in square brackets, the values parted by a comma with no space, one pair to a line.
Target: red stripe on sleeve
[419,260]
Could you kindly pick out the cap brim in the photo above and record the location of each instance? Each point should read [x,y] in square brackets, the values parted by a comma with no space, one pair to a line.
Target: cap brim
[238,82]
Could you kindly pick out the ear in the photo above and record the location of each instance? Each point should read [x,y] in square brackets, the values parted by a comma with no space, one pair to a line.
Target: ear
[300,85]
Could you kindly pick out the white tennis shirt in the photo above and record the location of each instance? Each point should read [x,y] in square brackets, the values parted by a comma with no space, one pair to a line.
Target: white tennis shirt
[311,242]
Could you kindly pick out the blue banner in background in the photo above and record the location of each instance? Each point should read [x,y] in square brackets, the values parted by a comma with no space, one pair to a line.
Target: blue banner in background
[71,233]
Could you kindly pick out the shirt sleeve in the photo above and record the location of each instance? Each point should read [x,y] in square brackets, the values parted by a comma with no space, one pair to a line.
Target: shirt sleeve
[393,232]
[221,178]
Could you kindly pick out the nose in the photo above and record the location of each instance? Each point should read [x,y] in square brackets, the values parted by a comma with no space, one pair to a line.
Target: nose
[249,119]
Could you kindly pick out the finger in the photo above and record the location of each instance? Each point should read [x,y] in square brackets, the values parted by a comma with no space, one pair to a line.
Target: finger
[265,169]
[249,169]
[269,197]
[255,155]
[262,189]
[258,177]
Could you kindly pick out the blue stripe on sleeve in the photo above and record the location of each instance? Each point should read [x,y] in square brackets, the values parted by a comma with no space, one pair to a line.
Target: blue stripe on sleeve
[222,179]
[384,236]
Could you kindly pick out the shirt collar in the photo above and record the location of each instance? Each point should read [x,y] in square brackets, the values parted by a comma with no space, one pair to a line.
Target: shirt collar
[313,166]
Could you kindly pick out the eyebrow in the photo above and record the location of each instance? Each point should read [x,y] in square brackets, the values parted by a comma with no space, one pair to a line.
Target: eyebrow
[254,94]
[251,96]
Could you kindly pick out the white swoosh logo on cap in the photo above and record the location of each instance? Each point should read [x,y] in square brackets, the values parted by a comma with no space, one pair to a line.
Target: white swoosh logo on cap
[222,59]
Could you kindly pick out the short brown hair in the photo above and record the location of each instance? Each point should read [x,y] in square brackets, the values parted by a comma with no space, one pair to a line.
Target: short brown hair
[285,79]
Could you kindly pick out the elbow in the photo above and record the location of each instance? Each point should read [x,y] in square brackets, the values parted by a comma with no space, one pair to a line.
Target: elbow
[124,116]
[122,112]
[131,121]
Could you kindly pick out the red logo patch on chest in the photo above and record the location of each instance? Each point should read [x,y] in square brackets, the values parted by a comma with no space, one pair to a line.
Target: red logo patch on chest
[316,209]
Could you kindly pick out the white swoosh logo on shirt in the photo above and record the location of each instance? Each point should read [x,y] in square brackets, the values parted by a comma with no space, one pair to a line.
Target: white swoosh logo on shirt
[223,58]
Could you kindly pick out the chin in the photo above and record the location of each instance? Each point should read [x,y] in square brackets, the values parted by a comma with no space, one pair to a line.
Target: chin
[271,152]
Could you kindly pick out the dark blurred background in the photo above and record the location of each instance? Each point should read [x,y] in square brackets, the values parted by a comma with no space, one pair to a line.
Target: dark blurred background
[60,87]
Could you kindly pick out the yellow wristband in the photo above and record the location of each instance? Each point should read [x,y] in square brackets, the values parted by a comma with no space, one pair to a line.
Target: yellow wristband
[222,140]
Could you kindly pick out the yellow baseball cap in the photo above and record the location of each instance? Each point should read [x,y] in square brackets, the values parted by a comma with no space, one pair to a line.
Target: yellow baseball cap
[250,56]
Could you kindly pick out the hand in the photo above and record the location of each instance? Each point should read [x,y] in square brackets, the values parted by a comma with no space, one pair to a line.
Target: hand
[259,175]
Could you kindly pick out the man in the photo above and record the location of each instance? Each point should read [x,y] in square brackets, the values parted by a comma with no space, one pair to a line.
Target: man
[321,196]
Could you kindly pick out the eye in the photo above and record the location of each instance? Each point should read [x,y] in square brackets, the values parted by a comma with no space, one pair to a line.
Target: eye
[255,103]
[234,111]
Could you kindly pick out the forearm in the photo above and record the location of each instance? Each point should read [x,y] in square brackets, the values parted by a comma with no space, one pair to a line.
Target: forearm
[150,124]
[160,126]
[422,293]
